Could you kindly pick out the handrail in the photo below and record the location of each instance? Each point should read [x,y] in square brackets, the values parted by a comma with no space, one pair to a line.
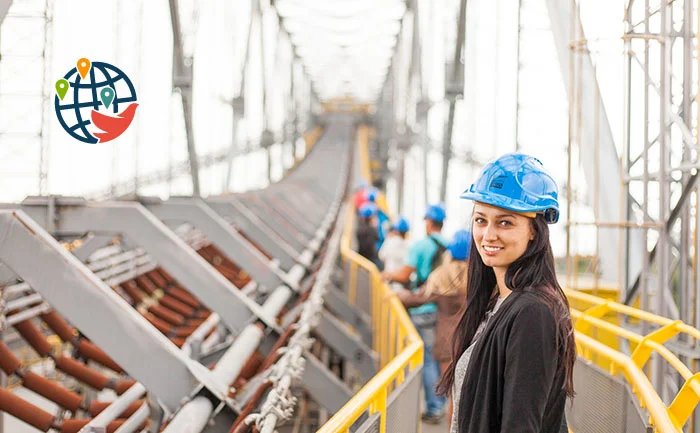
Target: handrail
[395,339]
[685,401]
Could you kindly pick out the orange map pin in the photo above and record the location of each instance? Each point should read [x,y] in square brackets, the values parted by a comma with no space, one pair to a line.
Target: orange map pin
[83,67]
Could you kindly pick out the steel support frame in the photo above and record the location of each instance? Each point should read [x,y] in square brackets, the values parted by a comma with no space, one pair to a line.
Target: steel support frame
[667,108]
[75,292]
[247,222]
[136,223]
[349,346]
[336,301]
[453,91]
[591,128]
[323,386]
[183,81]
[196,212]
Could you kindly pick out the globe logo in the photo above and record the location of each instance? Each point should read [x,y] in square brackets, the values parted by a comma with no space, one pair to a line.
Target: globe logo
[89,99]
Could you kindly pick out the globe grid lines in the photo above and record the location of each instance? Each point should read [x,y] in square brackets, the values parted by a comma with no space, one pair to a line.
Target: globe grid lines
[112,75]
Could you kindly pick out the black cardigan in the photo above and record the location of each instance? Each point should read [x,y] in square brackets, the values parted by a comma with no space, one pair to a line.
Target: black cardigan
[512,384]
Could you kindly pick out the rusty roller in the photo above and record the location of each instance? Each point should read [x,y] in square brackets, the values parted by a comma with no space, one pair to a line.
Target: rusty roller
[75,425]
[8,361]
[25,411]
[177,306]
[52,391]
[68,365]
[196,322]
[167,315]
[96,407]
[146,284]
[183,296]
[86,348]
[82,372]
[166,276]
[157,279]
[161,325]
[133,291]
[34,337]
[122,386]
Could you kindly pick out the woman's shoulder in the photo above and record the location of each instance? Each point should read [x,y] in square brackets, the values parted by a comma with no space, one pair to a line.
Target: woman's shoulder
[529,305]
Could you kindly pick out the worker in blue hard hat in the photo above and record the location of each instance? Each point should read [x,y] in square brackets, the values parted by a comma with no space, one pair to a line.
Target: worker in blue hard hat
[514,348]
[395,247]
[447,288]
[423,257]
[367,234]
[383,220]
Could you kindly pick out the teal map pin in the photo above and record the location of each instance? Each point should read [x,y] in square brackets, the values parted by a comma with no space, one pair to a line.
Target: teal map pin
[62,88]
[107,96]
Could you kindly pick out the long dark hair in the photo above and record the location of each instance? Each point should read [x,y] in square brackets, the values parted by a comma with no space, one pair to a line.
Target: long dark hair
[533,272]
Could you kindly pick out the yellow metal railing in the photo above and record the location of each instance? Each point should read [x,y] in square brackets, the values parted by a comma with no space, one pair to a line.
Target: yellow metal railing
[588,321]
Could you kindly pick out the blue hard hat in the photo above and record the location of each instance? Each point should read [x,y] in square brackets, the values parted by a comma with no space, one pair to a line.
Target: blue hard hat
[460,245]
[519,183]
[401,225]
[371,194]
[435,212]
[367,210]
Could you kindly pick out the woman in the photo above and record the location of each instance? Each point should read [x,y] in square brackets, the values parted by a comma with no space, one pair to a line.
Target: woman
[514,349]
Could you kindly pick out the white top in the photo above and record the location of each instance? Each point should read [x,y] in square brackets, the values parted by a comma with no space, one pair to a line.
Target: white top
[393,253]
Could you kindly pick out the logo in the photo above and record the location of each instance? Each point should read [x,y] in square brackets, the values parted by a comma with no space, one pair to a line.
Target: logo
[89,99]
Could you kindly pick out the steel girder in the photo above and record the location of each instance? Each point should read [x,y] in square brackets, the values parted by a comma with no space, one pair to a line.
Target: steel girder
[75,292]
[141,227]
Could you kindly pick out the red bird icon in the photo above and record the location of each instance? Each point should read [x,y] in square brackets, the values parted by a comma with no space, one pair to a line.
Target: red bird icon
[113,126]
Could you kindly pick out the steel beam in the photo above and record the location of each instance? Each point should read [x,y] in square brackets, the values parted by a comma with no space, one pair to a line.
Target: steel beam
[220,233]
[336,301]
[274,223]
[254,228]
[182,80]
[133,221]
[90,245]
[4,7]
[453,90]
[75,292]
[323,386]
[351,347]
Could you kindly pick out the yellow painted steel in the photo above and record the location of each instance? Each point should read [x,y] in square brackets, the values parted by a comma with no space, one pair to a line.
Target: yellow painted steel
[588,316]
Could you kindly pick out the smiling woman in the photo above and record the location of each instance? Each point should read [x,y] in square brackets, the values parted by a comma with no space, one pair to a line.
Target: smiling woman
[513,355]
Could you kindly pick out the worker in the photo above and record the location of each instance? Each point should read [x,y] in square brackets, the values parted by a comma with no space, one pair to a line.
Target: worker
[514,348]
[367,235]
[395,247]
[422,258]
[360,196]
[447,288]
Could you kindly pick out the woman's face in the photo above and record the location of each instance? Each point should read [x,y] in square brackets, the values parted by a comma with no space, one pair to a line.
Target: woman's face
[501,236]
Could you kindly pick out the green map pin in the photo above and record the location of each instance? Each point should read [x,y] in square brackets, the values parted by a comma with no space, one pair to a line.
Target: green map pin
[107,95]
[62,88]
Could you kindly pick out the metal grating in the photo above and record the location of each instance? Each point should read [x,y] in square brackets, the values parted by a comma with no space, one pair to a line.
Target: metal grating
[403,407]
[602,403]
[636,419]
[371,425]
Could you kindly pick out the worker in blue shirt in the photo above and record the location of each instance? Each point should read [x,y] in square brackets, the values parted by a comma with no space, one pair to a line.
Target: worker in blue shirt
[423,257]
